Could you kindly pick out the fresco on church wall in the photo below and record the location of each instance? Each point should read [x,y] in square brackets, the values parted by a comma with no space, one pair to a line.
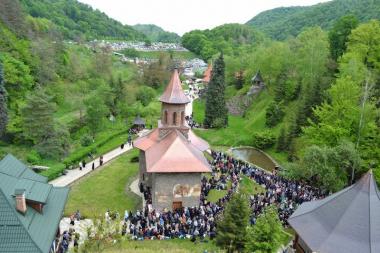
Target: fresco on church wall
[180,191]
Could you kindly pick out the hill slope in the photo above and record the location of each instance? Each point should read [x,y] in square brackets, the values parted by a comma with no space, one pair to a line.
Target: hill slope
[75,19]
[282,22]
[156,33]
[224,38]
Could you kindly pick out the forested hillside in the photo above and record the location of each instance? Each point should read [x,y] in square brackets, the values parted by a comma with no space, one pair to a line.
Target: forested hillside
[76,20]
[157,34]
[226,38]
[280,23]
[318,114]
[57,97]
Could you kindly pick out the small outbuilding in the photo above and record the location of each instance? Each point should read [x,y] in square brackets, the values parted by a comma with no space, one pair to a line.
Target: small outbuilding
[139,123]
[207,74]
[257,84]
[345,222]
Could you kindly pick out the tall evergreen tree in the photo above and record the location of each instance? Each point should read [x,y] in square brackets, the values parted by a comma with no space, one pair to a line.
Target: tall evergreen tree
[267,234]
[37,116]
[216,110]
[3,104]
[232,229]
[339,34]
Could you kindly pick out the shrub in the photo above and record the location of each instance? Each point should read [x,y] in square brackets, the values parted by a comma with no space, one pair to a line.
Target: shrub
[219,123]
[134,159]
[145,95]
[263,140]
[81,154]
[33,157]
[86,140]
[274,114]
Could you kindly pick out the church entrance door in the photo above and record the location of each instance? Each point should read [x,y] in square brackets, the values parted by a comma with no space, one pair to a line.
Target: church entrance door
[177,205]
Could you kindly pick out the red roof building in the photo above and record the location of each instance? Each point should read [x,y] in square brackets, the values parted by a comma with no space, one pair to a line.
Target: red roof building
[171,156]
[207,74]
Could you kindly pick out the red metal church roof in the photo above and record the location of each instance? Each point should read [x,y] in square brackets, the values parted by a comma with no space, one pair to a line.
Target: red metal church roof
[207,74]
[173,93]
[172,153]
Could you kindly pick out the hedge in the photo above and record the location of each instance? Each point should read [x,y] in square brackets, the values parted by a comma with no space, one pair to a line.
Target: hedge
[79,155]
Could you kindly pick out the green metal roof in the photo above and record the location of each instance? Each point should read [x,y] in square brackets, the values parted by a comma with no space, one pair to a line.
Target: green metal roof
[13,235]
[32,231]
[34,191]
[11,166]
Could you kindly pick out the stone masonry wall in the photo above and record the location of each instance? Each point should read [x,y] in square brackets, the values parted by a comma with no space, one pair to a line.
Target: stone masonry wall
[169,187]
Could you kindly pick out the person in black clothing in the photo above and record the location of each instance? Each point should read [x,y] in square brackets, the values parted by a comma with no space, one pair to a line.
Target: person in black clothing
[93,165]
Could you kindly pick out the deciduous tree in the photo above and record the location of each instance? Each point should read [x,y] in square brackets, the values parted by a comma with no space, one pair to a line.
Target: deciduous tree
[96,112]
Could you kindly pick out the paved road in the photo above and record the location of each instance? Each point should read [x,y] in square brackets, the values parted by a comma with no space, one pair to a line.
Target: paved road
[75,174]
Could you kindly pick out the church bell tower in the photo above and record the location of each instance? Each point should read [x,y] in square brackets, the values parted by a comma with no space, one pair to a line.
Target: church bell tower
[173,106]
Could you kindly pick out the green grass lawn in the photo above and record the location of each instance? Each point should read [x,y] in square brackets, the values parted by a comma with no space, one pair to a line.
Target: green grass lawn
[250,187]
[214,195]
[106,188]
[160,246]
[247,186]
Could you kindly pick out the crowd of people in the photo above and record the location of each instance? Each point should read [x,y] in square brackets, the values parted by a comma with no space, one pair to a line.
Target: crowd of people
[200,221]
[70,235]
[191,122]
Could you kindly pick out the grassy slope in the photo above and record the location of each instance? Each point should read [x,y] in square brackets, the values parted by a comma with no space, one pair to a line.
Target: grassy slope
[250,187]
[240,130]
[106,188]
[163,246]
[247,186]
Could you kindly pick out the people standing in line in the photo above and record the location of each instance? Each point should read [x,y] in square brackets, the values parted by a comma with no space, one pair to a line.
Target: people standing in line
[80,165]
[93,165]
[129,140]
[84,163]
[101,160]
[122,146]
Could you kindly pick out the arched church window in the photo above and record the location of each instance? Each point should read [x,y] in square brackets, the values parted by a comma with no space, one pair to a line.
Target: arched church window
[174,118]
[166,117]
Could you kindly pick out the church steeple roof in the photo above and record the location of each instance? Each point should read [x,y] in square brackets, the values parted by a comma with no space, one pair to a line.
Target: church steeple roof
[173,93]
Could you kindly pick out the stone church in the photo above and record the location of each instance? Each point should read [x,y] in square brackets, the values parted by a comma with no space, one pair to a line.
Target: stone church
[171,156]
